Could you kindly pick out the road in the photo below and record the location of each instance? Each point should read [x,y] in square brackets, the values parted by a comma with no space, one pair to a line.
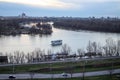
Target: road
[36,75]
[72,60]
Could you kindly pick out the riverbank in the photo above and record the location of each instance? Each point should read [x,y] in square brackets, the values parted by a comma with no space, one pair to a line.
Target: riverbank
[11,25]
[93,24]
[17,27]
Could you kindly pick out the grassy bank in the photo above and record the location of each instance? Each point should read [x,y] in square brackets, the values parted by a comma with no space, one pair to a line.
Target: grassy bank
[70,67]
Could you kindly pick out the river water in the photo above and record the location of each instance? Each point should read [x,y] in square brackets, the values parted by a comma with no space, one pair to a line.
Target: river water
[74,39]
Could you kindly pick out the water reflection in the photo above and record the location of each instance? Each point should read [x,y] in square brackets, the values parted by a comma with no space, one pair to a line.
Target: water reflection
[74,39]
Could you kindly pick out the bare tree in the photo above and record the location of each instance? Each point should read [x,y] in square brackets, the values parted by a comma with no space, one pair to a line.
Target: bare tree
[16,57]
[10,57]
[110,48]
[65,49]
[28,58]
[19,57]
[42,55]
[22,57]
[99,50]
[49,52]
[89,47]
[94,46]
[118,48]
[37,54]
[80,52]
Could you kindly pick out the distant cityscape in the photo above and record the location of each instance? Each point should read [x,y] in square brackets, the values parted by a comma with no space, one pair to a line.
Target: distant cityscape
[24,15]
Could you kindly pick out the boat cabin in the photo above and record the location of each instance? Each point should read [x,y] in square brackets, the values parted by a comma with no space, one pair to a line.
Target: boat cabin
[56,42]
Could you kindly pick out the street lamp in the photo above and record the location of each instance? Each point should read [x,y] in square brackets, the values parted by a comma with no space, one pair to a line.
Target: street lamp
[52,75]
[13,68]
[84,69]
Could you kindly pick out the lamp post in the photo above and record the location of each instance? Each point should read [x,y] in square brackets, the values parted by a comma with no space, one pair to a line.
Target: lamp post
[13,66]
[111,70]
[84,69]
[13,69]
[51,71]
[31,75]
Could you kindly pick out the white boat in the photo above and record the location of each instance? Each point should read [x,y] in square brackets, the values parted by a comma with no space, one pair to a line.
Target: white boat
[56,42]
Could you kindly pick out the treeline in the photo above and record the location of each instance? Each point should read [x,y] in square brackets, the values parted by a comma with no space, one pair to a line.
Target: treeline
[93,24]
[13,27]
[9,26]
[93,49]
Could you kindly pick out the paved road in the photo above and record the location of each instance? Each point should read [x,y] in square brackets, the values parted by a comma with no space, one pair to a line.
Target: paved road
[36,75]
[72,60]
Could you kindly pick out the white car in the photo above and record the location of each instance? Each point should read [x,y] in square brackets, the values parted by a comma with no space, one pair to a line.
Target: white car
[85,57]
[64,74]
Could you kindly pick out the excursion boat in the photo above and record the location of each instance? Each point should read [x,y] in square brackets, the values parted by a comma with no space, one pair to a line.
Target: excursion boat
[56,42]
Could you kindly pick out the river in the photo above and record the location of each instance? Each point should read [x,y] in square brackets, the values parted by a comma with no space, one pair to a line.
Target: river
[74,39]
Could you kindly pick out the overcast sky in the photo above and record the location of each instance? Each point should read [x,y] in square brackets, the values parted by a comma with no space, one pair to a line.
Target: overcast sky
[75,8]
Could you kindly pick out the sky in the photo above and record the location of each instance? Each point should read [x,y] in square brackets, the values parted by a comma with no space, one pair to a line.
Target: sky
[60,8]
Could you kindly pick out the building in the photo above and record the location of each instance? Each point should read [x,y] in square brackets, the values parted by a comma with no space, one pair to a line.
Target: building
[23,15]
[3,59]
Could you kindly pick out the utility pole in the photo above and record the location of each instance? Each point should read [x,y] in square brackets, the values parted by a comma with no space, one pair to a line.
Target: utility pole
[51,71]
[13,67]
[111,71]
[83,70]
